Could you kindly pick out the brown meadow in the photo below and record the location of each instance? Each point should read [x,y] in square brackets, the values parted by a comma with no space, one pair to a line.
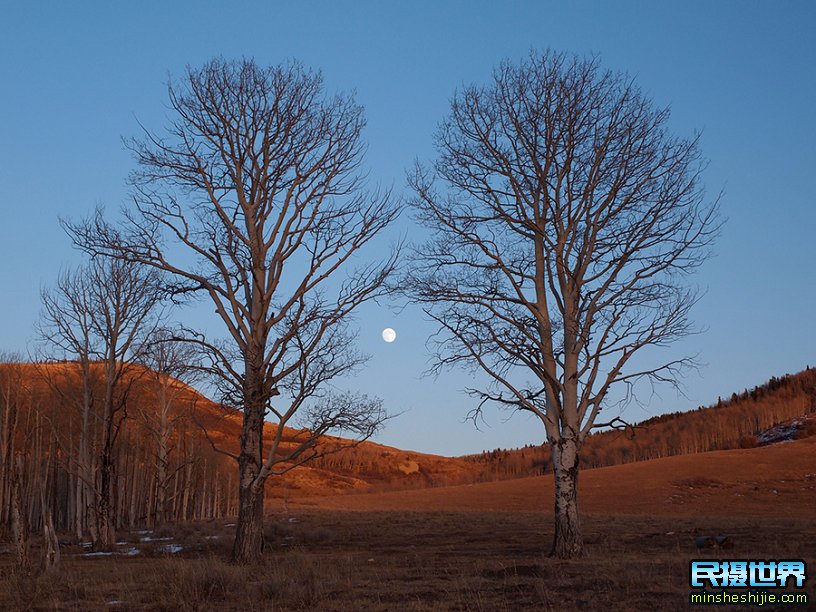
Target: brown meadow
[476,547]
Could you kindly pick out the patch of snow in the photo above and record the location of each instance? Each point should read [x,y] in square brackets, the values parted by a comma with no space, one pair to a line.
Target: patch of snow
[230,525]
[170,548]
[130,552]
[784,432]
[149,539]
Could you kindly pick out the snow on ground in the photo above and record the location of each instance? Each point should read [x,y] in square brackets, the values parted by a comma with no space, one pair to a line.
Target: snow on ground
[170,548]
[130,552]
[784,432]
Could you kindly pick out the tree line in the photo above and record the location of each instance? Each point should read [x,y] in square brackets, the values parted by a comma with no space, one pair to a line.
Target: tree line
[164,469]
[727,424]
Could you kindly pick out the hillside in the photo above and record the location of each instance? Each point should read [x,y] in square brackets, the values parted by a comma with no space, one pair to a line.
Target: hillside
[737,422]
[40,419]
[777,480]
[183,443]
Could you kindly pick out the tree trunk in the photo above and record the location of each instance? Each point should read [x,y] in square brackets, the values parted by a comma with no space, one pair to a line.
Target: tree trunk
[162,454]
[249,543]
[188,486]
[248,546]
[7,467]
[105,508]
[86,513]
[567,542]
[135,484]
[161,484]
[19,519]
[106,536]
[50,547]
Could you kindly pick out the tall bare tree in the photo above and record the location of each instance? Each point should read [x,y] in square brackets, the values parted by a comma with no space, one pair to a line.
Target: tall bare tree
[565,220]
[253,197]
[98,315]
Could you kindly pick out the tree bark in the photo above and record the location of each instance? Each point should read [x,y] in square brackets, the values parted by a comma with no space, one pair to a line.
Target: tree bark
[249,542]
[567,541]
[105,508]
[85,491]
[19,519]
[105,516]
[188,485]
[248,546]
[162,453]
[50,547]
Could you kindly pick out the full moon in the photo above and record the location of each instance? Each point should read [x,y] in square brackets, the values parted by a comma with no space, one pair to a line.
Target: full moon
[389,335]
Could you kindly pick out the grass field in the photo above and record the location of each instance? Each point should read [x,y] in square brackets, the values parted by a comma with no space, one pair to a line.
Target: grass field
[478,547]
[336,560]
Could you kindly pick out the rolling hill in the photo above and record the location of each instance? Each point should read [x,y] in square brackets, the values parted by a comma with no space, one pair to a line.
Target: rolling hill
[777,480]
[40,419]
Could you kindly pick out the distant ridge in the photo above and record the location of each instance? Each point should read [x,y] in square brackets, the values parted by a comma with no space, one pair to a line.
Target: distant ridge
[739,421]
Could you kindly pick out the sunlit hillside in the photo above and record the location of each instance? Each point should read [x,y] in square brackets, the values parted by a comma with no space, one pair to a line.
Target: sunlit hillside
[41,419]
[733,422]
[778,480]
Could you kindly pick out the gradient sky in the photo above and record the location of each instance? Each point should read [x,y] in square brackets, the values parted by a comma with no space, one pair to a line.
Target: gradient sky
[75,78]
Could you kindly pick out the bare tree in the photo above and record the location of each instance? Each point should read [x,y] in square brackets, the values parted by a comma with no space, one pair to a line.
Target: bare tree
[20,532]
[565,220]
[254,199]
[50,555]
[66,329]
[11,389]
[172,365]
[98,315]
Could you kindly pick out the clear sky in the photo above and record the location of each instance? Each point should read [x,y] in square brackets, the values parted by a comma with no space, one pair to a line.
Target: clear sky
[76,76]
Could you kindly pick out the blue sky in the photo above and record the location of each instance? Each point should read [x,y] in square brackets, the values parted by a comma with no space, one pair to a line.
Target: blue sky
[76,77]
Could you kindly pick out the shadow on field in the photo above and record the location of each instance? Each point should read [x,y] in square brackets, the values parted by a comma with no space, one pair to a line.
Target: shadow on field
[402,561]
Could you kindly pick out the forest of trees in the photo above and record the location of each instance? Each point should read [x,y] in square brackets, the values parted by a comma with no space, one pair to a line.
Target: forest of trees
[165,469]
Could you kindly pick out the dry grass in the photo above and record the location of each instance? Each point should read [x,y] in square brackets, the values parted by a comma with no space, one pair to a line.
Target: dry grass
[417,550]
[406,561]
